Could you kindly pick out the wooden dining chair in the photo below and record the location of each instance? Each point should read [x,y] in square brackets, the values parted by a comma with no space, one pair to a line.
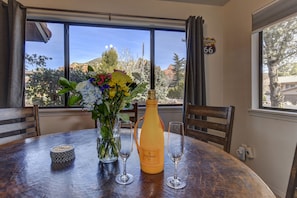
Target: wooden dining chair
[292,185]
[132,112]
[18,123]
[210,124]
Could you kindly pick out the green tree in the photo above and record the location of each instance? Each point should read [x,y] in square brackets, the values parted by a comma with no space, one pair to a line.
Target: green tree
[176,88]
[161,85]
[42,82]
[288,70]
[178,70]
[293,70]
[41,87]
[35,60]
[176,92]
[279,49]
[77,75]
[140,71]
[109,60]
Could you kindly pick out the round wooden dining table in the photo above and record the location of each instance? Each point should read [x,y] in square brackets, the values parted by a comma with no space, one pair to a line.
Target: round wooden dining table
[26,170]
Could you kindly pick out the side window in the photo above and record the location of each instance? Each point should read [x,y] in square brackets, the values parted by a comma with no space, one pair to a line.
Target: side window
[278,65]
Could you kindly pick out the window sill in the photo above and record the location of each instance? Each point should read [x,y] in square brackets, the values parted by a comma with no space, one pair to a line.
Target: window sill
[62,111]
[80,111]
[275,115]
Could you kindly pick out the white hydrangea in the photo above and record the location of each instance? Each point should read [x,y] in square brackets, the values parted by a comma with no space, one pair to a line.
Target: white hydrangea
[91,94]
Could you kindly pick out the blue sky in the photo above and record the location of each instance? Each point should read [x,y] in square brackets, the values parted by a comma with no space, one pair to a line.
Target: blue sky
[87,43]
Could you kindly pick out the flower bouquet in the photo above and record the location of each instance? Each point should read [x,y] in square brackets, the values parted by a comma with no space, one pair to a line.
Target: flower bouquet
[104,94]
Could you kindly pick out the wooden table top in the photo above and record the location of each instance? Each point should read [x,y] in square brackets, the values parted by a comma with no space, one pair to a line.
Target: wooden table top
[26,171]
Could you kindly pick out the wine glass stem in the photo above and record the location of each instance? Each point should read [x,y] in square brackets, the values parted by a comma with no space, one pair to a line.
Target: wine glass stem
[175,170]
[124,166]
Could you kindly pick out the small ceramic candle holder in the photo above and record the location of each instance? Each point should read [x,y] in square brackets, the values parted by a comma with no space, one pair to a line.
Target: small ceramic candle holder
[62,153]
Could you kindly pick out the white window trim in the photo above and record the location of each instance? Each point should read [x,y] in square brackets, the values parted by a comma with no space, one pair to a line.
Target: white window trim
[255,110]
[273,12]
[274,115]
[268,15]
[104,18]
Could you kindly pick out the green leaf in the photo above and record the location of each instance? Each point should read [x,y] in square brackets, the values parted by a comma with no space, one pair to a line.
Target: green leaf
[94,116]
[107,108]
[72,84]
[63,82]
[74,99]
[124,116]
[105,132]
[90,68]
[64,91]
[139,89]
[68,86]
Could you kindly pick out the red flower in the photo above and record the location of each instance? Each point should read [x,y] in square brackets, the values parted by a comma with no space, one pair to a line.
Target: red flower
[101,79]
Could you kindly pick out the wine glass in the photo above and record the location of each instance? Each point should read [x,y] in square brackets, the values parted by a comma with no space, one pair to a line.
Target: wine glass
[125,148]
[175,148]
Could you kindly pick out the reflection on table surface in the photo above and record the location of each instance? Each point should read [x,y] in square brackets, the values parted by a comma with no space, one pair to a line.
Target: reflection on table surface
[26,171]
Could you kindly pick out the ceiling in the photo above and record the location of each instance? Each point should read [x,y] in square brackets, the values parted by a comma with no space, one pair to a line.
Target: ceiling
[206,2]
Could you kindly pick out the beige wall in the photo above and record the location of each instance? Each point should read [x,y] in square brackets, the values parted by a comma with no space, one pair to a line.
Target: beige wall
[272,135]
[228,79]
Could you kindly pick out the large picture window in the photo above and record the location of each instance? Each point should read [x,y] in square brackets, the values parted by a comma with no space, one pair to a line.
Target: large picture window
[64,49]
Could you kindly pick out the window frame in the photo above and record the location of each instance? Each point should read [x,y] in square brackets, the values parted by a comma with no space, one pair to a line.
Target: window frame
[266,16]
[260,76]
[88,24]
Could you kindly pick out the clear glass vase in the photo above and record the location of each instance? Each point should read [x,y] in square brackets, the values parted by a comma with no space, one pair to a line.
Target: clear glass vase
[107,141]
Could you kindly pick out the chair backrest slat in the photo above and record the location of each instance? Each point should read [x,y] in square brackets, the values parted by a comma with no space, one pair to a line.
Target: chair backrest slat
[17,127]
[204,136]
[216,112]
[210,124]
[18,123]
[14,113]
[132,112]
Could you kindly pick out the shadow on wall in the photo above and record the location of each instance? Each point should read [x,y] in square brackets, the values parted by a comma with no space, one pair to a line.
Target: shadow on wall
[57,122]
[62,121]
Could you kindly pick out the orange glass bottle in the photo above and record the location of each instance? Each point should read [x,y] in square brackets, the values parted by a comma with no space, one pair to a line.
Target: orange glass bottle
[151,146]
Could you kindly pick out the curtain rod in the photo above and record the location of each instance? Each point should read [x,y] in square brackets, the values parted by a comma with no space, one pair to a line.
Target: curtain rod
[108,14]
